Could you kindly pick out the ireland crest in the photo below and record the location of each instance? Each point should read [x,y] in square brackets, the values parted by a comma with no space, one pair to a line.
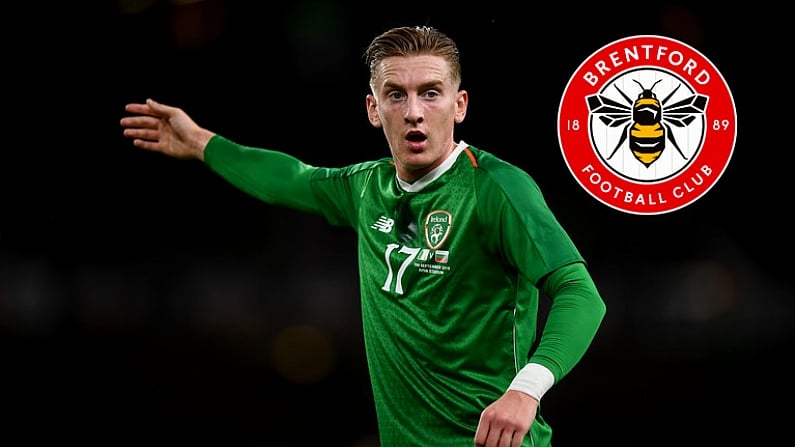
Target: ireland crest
[437,228]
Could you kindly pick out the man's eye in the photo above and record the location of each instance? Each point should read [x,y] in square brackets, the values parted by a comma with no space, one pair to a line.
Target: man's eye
[395,95]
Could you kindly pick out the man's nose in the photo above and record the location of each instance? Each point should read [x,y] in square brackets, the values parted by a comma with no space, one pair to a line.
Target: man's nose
[413,113]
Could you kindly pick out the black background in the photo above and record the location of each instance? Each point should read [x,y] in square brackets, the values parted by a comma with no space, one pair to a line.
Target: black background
[142,299]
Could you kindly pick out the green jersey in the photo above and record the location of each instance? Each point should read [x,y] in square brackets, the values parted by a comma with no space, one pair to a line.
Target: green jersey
[449,272]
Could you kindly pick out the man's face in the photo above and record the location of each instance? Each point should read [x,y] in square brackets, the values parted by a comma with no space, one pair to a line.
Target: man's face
[417,103]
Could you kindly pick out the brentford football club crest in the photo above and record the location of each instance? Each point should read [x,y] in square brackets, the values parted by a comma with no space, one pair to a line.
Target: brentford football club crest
[647,125]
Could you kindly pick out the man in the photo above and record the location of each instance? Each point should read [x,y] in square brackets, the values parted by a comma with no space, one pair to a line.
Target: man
[455,246]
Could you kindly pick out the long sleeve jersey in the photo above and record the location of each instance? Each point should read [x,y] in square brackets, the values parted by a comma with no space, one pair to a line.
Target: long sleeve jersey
[451,268]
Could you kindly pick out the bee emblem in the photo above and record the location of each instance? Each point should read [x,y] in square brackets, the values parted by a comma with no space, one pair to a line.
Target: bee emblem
[647,121]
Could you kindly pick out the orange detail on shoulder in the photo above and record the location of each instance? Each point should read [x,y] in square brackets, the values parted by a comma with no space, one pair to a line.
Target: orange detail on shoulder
[471,157]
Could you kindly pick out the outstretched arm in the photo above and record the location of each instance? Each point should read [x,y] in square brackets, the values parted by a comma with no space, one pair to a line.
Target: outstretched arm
[169,130]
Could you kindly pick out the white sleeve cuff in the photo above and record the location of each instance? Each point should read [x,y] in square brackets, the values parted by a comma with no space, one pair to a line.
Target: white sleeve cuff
[533,379]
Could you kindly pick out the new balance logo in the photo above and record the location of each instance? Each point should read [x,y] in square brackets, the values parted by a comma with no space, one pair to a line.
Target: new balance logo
[384,224]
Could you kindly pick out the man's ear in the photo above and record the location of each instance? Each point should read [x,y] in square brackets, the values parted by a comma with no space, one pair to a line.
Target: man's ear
[372,111]
[461,102]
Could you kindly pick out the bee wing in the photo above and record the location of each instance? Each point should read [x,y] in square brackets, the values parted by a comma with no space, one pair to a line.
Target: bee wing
[683,113]
[611,113]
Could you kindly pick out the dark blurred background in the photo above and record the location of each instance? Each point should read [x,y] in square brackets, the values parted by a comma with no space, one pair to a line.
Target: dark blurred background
[144,300]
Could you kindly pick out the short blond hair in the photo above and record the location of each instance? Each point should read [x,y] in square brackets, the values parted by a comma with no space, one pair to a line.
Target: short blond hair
[412,41]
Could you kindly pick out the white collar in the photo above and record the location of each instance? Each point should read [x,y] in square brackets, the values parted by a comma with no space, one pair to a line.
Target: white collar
[437,172]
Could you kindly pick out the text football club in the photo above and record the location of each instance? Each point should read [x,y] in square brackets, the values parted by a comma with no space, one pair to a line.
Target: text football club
[647,125]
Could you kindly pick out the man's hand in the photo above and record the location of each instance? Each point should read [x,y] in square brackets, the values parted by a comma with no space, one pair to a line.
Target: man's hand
[161,128]
[506,421]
